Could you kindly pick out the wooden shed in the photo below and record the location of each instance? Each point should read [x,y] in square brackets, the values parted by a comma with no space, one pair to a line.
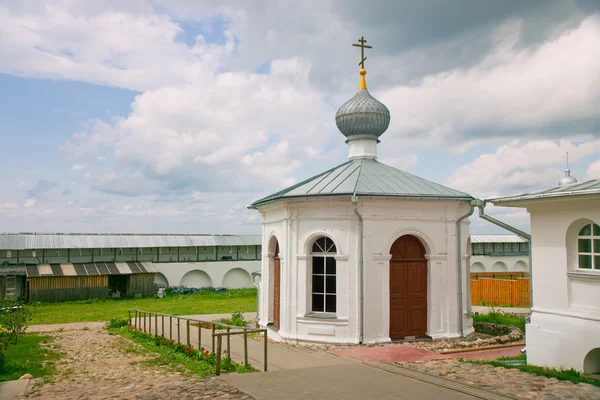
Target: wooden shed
[64,282]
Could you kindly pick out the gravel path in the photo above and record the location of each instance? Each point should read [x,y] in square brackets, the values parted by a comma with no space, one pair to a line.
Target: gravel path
[511,382]
[96,365]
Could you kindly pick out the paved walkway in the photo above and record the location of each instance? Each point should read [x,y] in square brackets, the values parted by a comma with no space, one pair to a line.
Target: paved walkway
[338,382]
[280,356]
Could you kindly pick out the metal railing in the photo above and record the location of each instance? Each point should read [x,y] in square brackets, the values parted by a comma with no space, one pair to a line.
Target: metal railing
[143,319]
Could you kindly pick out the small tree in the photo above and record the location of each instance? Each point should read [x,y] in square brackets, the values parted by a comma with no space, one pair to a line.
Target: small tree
[14,318]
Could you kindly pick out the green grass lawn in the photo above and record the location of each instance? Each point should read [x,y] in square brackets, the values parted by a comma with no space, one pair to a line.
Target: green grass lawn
[104,310]
[501,318]
[27,357]
[177,360]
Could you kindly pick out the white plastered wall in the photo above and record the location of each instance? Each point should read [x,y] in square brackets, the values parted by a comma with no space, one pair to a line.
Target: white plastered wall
[298,223]
[565,320]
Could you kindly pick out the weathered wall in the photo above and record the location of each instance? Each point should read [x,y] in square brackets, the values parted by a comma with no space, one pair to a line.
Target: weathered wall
[65,288]
[141,285]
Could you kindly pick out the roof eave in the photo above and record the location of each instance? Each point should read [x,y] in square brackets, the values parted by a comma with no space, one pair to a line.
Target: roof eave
[256,205]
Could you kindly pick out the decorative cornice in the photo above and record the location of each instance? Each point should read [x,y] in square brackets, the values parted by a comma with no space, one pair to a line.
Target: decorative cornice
[382,257]
[436,257]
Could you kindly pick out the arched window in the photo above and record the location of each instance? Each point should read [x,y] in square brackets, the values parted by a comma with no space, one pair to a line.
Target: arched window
[324,276]
[588,247]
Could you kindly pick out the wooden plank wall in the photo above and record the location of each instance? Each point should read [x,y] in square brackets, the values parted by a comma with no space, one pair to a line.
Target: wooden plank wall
[141,285]
[65,288]
[500,292]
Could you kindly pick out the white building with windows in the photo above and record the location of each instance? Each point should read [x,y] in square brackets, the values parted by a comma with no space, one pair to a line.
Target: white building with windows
[499,253]
[363,252]
[193,261]
[565,319]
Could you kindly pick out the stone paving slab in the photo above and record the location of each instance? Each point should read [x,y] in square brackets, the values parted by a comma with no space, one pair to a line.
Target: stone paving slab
[348,382]
[391,353]
[11,389]
[400,353]
[491,354]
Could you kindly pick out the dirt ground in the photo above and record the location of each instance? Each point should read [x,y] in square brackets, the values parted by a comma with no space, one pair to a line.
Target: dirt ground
[96,365]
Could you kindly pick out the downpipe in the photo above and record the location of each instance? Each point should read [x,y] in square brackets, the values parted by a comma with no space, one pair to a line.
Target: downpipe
[361,298]
[460,266]
[481,205]
[257,274]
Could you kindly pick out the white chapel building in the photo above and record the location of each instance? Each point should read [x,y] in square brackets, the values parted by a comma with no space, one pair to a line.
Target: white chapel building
[363,252]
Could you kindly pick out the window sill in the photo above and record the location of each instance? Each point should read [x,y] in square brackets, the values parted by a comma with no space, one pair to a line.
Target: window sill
[591,275]
[321,315]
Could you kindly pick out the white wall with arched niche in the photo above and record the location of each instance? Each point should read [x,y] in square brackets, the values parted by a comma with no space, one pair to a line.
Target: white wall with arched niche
[196,279]
[499,266]
[477,267]
[521,266]
[237,278]
[161,280]
[510,261]
[591,362]
[211,272]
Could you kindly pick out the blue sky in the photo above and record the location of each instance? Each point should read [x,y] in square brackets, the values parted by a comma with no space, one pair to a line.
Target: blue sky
[170,116]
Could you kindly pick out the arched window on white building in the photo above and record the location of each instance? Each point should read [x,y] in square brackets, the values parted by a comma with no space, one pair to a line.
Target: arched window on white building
[324,285]
[588,247]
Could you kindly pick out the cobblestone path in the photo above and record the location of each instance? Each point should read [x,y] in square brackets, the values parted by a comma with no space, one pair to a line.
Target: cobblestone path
[511,382]
[96,365]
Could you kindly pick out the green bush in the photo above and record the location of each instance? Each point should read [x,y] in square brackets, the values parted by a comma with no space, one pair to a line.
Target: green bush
[237,319]
[117,323]
[501,318]
[491,329]
[14,318]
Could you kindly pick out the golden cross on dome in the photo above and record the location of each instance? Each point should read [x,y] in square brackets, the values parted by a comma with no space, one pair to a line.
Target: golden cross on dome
[362,46]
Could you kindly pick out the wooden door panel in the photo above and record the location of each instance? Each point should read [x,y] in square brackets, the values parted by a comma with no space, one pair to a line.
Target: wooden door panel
[408,289]
[276,291]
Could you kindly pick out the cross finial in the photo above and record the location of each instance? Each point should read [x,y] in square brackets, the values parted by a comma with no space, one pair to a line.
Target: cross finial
[362,46]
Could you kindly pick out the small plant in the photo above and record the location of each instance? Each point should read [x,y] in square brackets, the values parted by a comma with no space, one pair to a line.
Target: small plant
[237,319]
[116,323]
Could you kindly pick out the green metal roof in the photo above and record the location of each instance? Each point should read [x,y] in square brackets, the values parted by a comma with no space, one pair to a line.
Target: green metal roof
[591,187]
[367,177]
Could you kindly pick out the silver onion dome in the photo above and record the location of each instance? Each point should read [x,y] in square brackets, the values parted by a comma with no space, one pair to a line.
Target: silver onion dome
[363,116]
[567,179]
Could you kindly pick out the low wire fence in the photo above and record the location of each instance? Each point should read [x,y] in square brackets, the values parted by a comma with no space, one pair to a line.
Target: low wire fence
[171,327]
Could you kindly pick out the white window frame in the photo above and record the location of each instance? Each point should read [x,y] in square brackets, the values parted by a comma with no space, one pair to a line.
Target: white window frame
[595,252]
[329,252]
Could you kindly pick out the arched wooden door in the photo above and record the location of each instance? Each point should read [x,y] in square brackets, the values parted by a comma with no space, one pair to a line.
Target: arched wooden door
[276,286]
[408,288]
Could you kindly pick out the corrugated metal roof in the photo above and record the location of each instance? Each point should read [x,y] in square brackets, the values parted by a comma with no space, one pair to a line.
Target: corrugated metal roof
[365,176]
[120,268]
[497,239]
[23,241]
[574,189]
